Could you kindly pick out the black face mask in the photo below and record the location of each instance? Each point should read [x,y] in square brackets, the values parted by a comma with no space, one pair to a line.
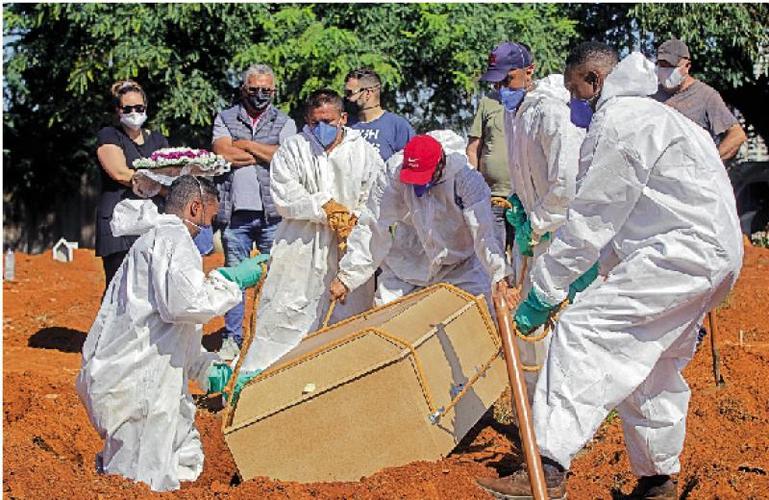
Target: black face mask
[351,108]
[260,100]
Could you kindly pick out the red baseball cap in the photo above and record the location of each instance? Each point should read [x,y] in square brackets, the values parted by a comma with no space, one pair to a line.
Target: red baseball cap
[420,159]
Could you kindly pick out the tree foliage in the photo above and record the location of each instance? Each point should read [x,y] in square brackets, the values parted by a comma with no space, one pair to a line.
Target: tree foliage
[307,54]
[441,49]
[60,60]
[729,43]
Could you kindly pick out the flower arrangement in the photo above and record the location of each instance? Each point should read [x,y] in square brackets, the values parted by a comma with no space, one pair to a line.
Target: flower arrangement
[180,157]
[164,165]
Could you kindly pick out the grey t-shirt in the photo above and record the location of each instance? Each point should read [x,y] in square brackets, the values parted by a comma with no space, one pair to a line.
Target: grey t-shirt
[703,105]
[245,183]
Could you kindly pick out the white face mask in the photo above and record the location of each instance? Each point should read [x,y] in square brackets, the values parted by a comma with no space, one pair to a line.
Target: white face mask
[133,120]
[669,78]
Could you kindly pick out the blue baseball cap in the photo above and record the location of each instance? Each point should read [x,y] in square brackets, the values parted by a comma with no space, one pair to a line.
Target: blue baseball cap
[506,56]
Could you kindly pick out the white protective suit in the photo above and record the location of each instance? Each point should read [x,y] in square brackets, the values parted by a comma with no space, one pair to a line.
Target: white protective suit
[447,235]
[543,145]
[654,193]
[145,346]
[304,257]
[544,149]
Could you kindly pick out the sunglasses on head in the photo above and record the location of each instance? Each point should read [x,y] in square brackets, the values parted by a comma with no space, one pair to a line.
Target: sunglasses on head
[139,108]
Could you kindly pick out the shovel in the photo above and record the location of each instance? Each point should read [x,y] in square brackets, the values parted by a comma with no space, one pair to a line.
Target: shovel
[714,350]
[250,329]
[520,398]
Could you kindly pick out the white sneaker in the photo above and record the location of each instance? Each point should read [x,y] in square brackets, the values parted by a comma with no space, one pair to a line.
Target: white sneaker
[229,350]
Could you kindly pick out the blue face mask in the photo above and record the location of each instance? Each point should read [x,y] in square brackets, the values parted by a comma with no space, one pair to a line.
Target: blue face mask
[511,98]
[325,133]
[204,240]
[421,189]
[581,112]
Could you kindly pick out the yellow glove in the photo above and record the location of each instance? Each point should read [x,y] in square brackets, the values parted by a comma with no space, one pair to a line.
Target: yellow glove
[340,220]
[343,226]
[332,207]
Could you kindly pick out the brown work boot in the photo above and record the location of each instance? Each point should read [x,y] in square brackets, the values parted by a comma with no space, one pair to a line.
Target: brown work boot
[517,487]
[655,488]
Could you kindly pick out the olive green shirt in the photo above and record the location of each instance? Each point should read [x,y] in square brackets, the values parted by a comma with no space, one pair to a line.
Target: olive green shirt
[489,126]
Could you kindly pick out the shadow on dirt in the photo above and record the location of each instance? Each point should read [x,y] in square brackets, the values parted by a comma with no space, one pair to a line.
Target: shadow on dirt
[58,337]
[212,342]
[685,489]
[211,403]
[504,461]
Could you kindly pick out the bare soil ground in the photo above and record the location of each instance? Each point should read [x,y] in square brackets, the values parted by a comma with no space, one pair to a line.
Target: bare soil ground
[49,445]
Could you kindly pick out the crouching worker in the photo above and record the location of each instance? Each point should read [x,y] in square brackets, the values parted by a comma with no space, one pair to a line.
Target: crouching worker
[445,207]
[145,344]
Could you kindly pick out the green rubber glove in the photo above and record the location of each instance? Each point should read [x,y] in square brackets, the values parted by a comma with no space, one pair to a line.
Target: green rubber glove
[516,215]
[583,281]
[247,273]
[243,378]
[218,376]
[523,238]
[532,313]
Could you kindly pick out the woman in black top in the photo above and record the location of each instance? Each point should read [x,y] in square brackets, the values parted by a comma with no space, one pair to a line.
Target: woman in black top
[117,149]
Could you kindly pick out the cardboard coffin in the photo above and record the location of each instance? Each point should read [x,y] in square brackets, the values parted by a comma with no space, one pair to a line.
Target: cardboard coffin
[399,383]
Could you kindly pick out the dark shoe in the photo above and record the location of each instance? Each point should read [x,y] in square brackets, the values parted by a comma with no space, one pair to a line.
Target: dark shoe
[99,463]
[517,487]
[655,488]
[701,333]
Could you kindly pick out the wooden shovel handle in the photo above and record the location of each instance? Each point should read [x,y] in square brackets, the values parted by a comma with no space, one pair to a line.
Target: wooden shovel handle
[521,400]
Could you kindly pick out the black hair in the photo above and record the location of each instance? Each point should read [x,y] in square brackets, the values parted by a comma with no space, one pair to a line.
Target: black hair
[597,53]
[321,97]
[187,188]
[367,77]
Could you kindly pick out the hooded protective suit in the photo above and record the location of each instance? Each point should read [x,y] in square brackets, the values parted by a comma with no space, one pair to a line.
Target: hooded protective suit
[304,256]
[545,154]
[145,346]
[447,235]
[653,194]
[544,157]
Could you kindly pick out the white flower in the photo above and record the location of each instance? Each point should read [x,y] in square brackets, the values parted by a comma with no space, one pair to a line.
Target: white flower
[179,157]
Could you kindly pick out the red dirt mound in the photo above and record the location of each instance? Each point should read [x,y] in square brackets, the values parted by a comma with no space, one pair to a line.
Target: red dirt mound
[49,445]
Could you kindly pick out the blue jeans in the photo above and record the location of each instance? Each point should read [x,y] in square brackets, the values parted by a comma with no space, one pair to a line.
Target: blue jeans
[246,228]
